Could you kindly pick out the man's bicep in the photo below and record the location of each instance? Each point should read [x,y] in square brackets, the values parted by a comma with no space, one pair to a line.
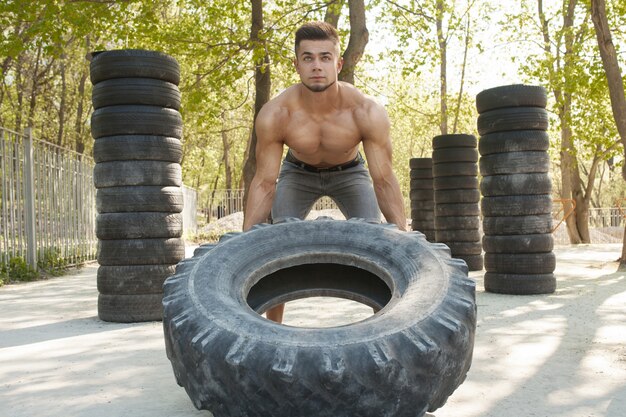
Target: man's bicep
[269,150]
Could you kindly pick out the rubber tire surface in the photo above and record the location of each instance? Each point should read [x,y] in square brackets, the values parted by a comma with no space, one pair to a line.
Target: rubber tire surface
[133,279]
[516,184]
[140,251]
[515,163]
[144,91]
[421,173]
[137,147]
[517,225]
[526,243]
[514,95]
[130,308]
[135,63]
[468,235]
[512,118]
[457,209]
[136,120]
[449,169]
[516,205]
[451,155]
[139,198]
[406,359]
[454,141]
[520,263]
[420,163]
[514,141]
[126,173]
[520,284]
[139,225]
[457,196]
[463,182]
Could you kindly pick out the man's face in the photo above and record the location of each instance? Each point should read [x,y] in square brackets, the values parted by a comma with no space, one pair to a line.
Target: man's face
[318,64]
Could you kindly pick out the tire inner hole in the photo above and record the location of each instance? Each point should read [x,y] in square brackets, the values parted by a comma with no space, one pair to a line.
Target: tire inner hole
[307,289]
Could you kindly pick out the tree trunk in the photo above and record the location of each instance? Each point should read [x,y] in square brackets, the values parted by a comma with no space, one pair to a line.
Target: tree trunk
[228,170]
[614,79]
[333,12]
[359,36]
[34,88]
[457,110]
[262,81]
[80,109]
[62,104]
[443,78]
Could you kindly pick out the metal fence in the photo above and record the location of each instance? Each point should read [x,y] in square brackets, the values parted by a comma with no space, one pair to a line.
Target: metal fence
[47,202]
[190,210]
[223,202]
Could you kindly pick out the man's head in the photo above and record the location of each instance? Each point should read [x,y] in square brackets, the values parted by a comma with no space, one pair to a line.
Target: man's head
[317,31]
[317,55]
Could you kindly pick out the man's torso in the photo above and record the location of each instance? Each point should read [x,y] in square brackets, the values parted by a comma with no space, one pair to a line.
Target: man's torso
[321,140]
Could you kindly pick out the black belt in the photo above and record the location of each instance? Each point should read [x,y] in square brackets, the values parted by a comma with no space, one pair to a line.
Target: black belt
[356,161]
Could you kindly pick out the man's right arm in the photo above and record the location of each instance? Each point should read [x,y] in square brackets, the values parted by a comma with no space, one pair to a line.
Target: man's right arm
[269,151]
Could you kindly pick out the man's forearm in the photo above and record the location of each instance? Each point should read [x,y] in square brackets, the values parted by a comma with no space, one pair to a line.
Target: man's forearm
[391,202]
[258,205]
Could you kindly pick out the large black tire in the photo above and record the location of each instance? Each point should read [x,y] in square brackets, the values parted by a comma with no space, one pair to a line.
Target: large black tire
[514,95]
[130,308]
[139,198]
[133,279]
[137,147]
[514,163]
[127,173]
[139,225]
[420,163]
[135,91]
[458,182]
[420,195]
[135,63]
[457,196]
[517,225]
[516,184]
[514,141]
[520,284]
[456,222]
[140,251]
[513,118]
[516,205]
[457,209]
[406,359]
[421,184]
[449,169]
[454,141]
[421,173]
[136,120]
[450,155]
[520,263]
[526,243]
[467,235]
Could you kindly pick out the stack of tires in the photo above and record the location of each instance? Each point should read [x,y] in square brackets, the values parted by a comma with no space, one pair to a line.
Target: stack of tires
[137,130]
[422,197]
[457,212]
[516,189]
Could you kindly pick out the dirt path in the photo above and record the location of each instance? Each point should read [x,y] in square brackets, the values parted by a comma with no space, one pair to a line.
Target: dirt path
[558,355]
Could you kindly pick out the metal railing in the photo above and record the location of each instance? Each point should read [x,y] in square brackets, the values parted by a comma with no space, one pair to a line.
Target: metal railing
[223,202]
[47,201]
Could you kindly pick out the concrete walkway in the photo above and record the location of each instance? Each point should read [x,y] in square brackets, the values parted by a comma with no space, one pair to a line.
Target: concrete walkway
[558,355]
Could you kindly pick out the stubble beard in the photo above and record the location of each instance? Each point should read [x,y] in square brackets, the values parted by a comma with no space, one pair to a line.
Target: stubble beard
[318,88]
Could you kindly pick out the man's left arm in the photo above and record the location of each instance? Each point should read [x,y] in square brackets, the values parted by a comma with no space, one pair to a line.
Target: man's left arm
[374,123]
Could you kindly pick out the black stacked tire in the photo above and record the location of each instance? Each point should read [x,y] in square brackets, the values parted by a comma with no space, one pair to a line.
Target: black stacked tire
[455,183]
[137,130]
[405,360]
[422,197]
[516,189]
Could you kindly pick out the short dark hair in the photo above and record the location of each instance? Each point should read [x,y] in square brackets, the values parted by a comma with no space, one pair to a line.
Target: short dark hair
[316,31]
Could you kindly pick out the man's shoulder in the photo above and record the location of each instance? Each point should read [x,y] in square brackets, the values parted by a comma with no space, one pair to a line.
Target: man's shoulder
[358,99]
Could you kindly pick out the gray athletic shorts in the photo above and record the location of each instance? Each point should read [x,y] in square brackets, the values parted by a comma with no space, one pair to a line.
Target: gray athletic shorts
[298,189]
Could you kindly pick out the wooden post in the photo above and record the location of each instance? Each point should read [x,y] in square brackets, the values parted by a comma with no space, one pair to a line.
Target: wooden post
[29,200]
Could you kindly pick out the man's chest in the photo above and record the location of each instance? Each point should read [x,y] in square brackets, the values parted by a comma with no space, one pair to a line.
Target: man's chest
[332,133]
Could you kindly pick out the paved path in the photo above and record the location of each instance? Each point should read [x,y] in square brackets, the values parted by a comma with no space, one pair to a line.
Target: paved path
[558,355]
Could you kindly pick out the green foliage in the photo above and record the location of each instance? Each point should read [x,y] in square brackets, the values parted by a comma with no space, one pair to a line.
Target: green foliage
[52,262]
[17,270]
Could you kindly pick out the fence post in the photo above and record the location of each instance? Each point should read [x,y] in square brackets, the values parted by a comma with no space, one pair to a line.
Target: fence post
[29,200]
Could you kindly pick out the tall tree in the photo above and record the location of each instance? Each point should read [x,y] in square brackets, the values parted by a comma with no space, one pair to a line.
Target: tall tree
[613,77]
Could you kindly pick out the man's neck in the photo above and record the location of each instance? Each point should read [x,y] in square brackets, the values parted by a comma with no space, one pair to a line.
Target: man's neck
[321,102]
